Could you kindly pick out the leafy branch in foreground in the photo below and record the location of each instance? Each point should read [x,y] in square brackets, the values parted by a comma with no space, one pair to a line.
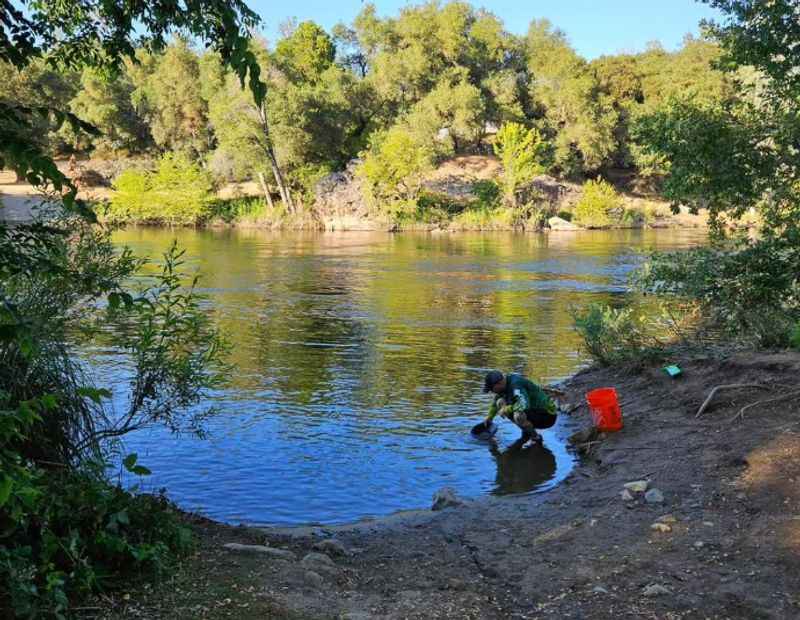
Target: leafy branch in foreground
[177,353]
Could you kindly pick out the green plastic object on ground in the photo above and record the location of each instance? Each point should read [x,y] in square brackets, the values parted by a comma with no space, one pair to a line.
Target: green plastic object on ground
[673,371]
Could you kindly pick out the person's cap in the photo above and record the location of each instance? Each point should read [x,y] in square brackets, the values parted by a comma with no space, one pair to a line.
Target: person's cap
[493,377]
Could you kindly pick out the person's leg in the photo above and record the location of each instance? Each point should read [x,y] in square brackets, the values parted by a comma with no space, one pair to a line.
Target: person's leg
[525,425]
[540,419]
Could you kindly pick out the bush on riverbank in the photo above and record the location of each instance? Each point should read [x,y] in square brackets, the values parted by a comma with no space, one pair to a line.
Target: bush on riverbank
[598,200]
[65,529]
[177,192]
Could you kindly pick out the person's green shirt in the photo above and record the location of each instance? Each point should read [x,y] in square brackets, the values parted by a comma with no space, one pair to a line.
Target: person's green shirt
[521,394]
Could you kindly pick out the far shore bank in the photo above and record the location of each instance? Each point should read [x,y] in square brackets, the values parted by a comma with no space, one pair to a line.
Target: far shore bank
[719,538]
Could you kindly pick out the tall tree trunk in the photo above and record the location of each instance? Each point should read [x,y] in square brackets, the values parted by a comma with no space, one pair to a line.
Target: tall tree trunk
[273,161]
[265,189]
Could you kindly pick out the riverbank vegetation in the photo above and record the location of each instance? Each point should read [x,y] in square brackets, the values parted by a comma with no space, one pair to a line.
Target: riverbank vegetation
[733,158]
[400,94]
[68,528]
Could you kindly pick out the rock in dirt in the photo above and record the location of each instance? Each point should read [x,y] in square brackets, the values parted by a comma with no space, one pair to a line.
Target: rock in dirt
[627,496]
[331,546]
[319,563]
[446,497]
[599,590]
[317,558]
[661,527]
[667,519]
[655,589]
[654,496]
[637,486]
[584,436]
[315,580]
[247,548]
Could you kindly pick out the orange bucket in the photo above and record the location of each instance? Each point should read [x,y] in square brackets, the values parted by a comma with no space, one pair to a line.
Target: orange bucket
[604,406]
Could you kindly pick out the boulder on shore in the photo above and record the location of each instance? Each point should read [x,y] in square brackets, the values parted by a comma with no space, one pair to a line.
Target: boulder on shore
[557,223]
[446,497]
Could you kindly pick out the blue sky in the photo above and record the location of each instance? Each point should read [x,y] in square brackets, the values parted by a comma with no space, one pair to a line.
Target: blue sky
[594,27]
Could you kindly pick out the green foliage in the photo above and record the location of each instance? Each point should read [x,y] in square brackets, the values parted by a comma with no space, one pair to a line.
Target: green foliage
[168,91]
[597,200]
[614,335]
[486,192]
[105,102]
[178,192]
[487,218]
[522,152]
[67,534]
[450,117]
[392,170]
[749,290]
[582,124]
[307,52]
[794,338]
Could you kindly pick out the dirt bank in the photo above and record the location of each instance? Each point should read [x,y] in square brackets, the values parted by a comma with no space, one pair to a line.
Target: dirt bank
[731,505]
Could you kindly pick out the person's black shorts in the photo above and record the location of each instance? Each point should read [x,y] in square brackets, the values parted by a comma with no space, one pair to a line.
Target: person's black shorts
[541,418]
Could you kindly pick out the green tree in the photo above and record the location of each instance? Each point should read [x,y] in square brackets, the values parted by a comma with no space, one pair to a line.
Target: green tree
[171,99]
[581,123]
[522,152]
[105,102]
[450,117]
[393,170]
[306,53]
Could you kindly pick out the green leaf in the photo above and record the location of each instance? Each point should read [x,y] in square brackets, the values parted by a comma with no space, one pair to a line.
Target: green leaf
[141,470]
[130,461]
[94,394]
[49,401]
[5,489]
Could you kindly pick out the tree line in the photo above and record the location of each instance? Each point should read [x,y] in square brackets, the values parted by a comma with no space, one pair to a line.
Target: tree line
[434,81]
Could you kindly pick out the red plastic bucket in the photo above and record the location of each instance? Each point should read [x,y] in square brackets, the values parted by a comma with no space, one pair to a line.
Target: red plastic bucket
[605,410]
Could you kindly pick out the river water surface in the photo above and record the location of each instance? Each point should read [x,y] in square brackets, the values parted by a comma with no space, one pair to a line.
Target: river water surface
[358,363]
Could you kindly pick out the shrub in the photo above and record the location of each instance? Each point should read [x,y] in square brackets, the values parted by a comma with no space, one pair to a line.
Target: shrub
[483,218]
[178,192]
[65,530]
[750,290]
[522,152]
[486,192]
[565,215]
[598,198]
[393,168]
[612,335]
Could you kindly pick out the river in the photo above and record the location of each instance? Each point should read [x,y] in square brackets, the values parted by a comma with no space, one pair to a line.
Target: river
[358,362]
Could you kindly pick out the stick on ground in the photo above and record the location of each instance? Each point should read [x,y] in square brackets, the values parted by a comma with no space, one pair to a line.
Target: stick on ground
[764,402]
[731,386]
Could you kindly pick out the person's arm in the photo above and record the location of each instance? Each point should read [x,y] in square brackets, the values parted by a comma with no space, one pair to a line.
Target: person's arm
[492,411]
[521,401]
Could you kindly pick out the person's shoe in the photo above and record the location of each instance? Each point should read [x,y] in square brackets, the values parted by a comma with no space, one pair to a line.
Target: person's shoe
[532,439]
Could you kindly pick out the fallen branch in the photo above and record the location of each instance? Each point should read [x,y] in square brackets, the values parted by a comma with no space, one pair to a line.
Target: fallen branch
[732,386]
[764,402]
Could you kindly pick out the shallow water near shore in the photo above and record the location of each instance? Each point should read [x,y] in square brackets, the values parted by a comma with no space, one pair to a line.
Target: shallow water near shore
[358,363]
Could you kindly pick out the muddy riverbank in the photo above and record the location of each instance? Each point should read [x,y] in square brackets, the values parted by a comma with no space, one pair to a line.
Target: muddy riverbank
[723,543]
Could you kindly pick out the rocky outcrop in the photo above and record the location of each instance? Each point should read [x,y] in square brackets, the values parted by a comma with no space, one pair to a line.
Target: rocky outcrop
[339,202]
